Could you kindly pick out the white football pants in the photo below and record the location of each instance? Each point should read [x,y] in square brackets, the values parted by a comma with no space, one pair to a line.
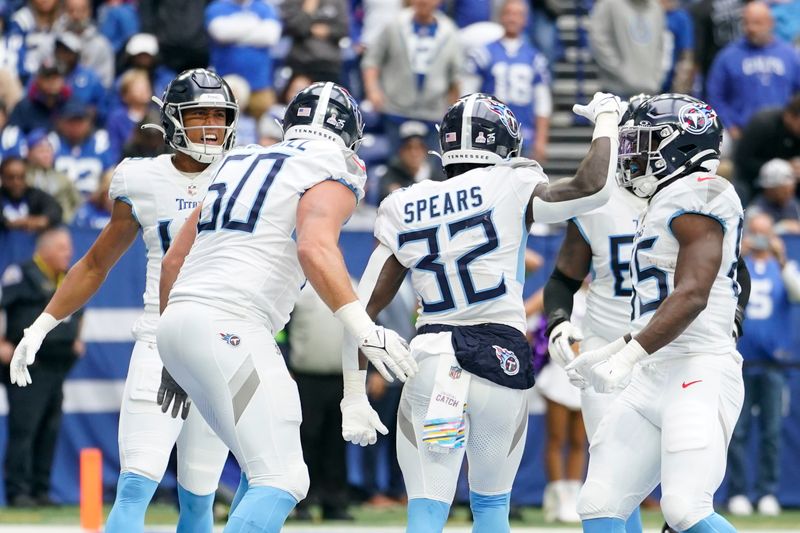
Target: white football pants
[237,379]
[146,435]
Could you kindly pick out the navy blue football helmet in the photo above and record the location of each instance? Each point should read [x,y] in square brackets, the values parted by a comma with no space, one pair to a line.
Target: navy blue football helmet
[479,129]
[324,110]
[664,137]
[191,89]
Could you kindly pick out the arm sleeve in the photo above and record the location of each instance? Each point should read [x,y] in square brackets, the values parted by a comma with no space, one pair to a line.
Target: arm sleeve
[267,31]
[48,206]
[385,230]
[558,298]
[717,88]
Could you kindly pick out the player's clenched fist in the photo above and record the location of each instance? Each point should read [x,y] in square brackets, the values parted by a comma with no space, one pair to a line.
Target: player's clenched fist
[560,341]
[609,367]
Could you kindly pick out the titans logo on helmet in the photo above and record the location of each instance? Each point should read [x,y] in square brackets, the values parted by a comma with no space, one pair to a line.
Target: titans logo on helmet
[696,118]
[507,117]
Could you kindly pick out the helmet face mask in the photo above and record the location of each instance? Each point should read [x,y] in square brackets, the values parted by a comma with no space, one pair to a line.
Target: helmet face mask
[664,137]
[324,110]
[479,129]
[192,90]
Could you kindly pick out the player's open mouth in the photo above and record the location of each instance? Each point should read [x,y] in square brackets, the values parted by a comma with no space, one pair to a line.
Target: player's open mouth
[209,138]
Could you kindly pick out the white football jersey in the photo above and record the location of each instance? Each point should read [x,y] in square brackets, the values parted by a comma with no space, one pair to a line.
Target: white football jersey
[609,231]
[464,241]
[161,197]
[244,260]
[655,256]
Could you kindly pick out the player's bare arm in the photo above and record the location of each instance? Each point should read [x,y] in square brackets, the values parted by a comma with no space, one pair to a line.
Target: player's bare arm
[572,266]
[591,186]
[321,213]
[699,257]
[80,283]
[175,256]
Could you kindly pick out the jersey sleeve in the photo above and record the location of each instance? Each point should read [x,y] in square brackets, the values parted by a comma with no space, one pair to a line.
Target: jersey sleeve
[386,222]
[707,195]
[525,175]
[118,190]
[325,161]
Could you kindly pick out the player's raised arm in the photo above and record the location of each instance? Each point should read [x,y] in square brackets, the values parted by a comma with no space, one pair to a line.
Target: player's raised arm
[379,284]
[322,211]
[81,282]
[591,186]
[572,266]
[175,256]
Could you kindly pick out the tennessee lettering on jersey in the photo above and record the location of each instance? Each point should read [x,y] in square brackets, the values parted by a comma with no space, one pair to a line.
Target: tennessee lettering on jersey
[161,198]
[464,240]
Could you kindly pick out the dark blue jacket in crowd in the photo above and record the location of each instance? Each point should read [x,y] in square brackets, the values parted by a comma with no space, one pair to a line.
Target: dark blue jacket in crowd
[745,79]
[88,89]
[32,112]
[118,24]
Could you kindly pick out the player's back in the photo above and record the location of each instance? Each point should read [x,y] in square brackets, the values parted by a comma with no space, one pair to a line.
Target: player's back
[609,232]
[244,260]
[161,198]
[655,258]
[464,241]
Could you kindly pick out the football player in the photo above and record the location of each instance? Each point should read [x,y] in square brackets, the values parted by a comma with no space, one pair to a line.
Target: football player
[155,196]
[464,241]
[685,382]
[271,218]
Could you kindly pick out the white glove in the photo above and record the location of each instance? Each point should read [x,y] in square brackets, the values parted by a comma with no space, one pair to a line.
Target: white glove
[601,103]
[383,347]
[359,420]
[25,352]
[615,372]
[580,369]
[559,345]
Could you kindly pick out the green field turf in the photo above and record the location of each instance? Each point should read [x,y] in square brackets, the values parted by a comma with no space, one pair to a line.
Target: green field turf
[532,517]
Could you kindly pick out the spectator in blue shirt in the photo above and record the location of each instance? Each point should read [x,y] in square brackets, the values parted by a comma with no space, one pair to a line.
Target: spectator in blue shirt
[765,346]
[752,73]
[82,152]
[12,140]
[118,21]
[82,80]
[787,20]
[513,70]
[680,26]
[241,34]
[33,24]
[135,92]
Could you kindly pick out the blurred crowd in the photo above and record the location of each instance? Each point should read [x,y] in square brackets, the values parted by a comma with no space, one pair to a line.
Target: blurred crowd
[78,77]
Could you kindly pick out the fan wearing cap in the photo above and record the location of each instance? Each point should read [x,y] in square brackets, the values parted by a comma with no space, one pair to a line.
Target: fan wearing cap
[411,164]
[82,152]
[96,52]
[47,94]
[777,199]
[152,196]
[81,79]
[141,51]
[463,241]
[42,174]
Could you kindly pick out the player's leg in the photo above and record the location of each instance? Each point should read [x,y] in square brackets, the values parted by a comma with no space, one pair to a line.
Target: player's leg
[201,458]
[430,475]
[771,403]
[244,391]
[498,423]
[623,459]
[146,438]
[240,492]
[697,423]
[738,501]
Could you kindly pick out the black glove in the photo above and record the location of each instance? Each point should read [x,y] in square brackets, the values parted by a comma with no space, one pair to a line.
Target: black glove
[738,321]
[170,389]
